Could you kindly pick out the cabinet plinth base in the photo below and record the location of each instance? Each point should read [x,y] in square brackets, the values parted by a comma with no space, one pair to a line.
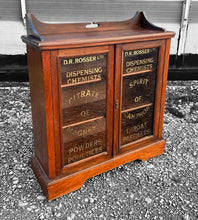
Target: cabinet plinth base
[54,188]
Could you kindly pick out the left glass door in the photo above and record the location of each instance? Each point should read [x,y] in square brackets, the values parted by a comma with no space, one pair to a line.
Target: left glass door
[86,104]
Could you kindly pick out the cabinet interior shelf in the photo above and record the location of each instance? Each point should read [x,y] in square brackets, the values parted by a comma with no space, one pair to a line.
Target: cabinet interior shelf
[81,83]
[83,122]
[139,72]
[135,108]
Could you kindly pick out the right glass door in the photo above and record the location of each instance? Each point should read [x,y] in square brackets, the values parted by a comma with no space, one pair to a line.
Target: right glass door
[138,75]
[138,93]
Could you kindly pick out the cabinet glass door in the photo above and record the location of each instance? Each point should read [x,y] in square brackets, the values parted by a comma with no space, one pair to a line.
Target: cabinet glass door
[136,78]
[138,93]
[85,113]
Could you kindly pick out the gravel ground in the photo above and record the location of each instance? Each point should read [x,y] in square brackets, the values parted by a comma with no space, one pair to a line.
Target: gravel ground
[165,187]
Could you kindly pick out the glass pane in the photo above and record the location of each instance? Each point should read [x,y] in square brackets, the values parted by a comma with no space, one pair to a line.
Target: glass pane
[84,140]
[72,133]
[138,89]
[81,149]
[136,124]
[83,69]
[140,60]
[83,102]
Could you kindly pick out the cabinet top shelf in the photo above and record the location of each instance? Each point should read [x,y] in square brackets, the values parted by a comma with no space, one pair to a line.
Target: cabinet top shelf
[46,36]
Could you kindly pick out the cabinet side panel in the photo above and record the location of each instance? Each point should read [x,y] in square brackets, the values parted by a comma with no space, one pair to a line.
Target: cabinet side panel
[38,106]
[164,83]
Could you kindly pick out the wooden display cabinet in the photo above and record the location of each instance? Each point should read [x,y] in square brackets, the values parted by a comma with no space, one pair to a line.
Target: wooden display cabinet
[97,96]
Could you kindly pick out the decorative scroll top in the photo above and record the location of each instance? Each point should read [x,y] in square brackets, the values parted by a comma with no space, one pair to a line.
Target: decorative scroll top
[37,29]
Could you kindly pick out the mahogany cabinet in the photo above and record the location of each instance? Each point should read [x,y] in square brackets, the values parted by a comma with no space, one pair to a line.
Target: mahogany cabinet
[97,96]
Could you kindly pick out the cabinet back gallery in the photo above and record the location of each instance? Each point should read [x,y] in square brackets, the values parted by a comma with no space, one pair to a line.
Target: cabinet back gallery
[97,97]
